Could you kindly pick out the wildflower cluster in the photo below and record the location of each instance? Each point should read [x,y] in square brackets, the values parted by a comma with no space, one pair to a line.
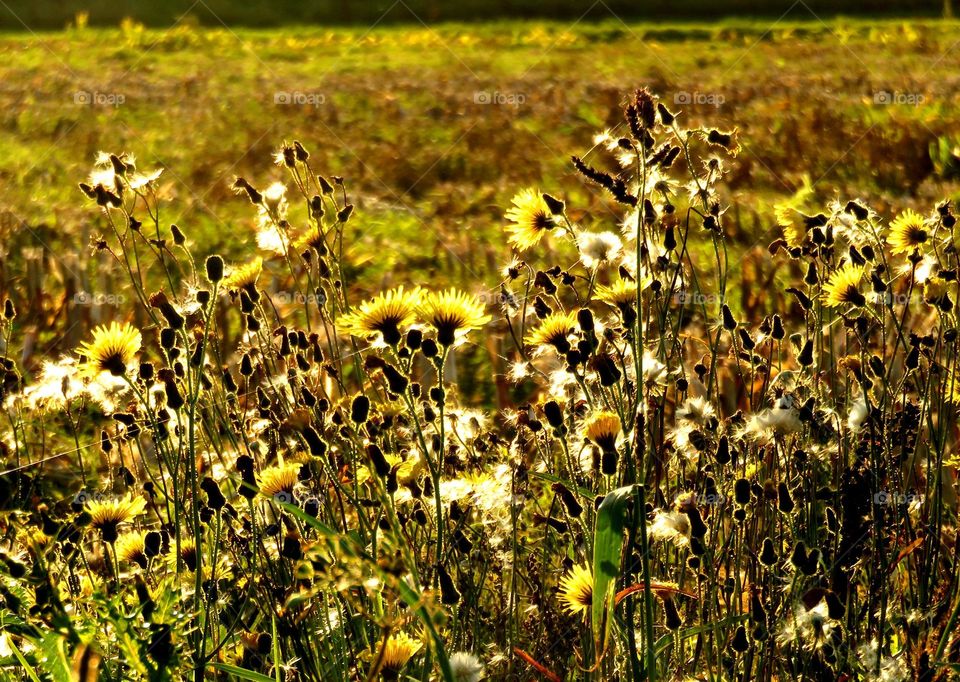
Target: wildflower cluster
[671,487]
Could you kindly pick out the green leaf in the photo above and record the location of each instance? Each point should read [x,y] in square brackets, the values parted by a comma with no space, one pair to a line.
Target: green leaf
[242,673]
[26,666]
[55,657]
[607,546]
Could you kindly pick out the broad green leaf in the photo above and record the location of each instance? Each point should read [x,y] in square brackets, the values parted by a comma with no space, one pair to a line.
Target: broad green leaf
[607,546]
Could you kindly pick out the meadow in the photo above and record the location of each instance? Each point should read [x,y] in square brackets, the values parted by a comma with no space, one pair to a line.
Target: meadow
[494,351]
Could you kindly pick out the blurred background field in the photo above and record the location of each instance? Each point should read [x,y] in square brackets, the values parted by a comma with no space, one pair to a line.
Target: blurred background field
[435,127]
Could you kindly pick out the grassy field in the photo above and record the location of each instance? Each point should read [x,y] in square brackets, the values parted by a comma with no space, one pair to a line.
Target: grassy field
[404,115]
[367,408]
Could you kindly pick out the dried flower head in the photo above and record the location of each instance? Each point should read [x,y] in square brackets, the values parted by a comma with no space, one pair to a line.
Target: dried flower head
[598,248]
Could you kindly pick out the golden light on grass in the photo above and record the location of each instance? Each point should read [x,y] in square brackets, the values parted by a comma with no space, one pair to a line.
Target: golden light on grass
[530,219]
[843,287]
[451,313]
[576,589]
[386,314]
[112,350]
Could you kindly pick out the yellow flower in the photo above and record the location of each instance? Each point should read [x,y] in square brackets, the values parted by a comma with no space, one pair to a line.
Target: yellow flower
[529,218]
[244,276]
[553,331]
[397,652]
[131,548]
[384,314]
[451,312]
[844,287]
[794,232]
[112,349]
[623,292]
[908,232]
[277,482]
[603,428]
[106,515]
[576,589]
[311,239]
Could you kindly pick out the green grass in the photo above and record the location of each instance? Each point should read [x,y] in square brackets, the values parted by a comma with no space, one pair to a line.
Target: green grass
[400,121]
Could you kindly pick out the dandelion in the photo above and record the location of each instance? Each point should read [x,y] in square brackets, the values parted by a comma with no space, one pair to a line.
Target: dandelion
[107,515]
[132,548]
[277,482]
[576,589]
[112,350]
[553,331]
[843,287]
[396,653]
[245,276]
[602,429]
[622,293]
[465,667]
[597,249]
[386,314]
[908,232]
[530,219]
[452,313]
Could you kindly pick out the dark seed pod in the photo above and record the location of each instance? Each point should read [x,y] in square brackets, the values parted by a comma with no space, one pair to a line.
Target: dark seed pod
[568,499]
[671,617]
[768,557]
[360,409]
[553,413]
[380,463]
[784,500]
[806,354]
[722,454]
[318,448]
[396,382]
[215,498]
[729,323]
[214,266]
[799,555]
[741,491]
[449,595]
[739,643]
